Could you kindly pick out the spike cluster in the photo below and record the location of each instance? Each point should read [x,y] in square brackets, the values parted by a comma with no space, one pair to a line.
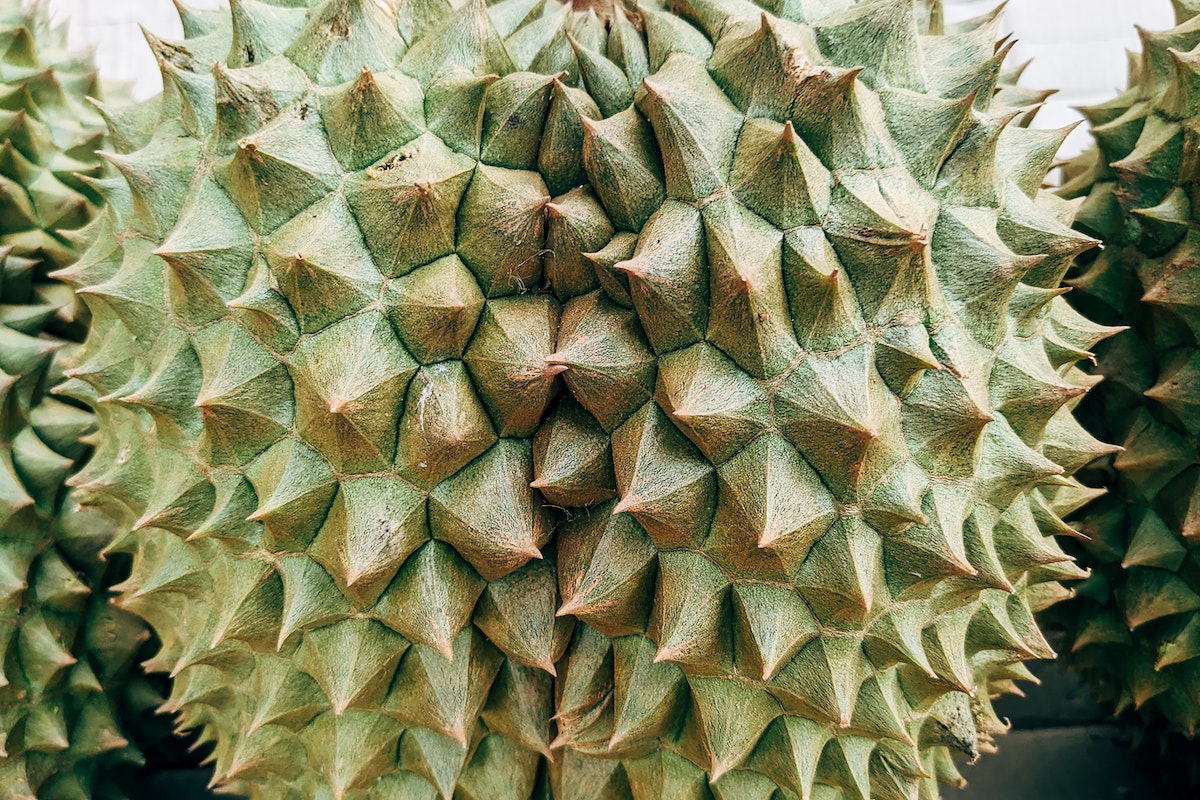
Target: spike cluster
[65,651]
[508,401]
[1135,630]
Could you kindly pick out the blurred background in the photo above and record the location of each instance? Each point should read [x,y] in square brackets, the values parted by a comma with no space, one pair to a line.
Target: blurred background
[1076,46]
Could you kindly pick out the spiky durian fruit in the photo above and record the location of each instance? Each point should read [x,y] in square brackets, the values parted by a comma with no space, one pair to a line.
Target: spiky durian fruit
[65,652]
[1136,627]
[769,297]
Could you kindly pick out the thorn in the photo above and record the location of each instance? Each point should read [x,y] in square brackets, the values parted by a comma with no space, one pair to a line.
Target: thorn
[624,504]
[569,607]
[459,733]
[446,648]
[718,769]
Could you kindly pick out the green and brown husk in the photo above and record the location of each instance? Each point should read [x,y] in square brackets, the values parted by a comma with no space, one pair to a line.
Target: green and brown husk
[512,401]
[1135,630]
[67,688]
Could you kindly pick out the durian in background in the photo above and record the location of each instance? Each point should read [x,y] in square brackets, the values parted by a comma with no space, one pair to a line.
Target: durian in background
[520,400]
[1135,629]
[66,653]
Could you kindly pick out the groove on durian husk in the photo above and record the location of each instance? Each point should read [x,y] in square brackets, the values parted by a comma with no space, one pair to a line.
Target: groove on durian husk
[70,698]
[493,410]
[1133,630]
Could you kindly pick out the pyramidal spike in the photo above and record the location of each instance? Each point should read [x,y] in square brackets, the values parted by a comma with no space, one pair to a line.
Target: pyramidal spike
[945,646]
[182,71]
[504,525]
[769,499]
[648,695]
[514,112]
[732,717]
[254,593]
[572,458]
[825,314]
[662,479]
[823,679]
[353,661]
[623,163]
[196,22]
[443,426]
[576,225]
[912,115]
[520,709]
[341,36]
[585,703]
[408,192]
[311,599]
[844,39]
[510,359]
[294,487]
[666,277]
[271,185]
[749,318]
[840,575]
[690,616]
[260,31]
[609,368]
[789,752]
[606,570]
[560,157]
[467,39]
[348,544]
[503,219]
[666,34]
[605,81]
[517,614]
[695,124]
[368,116]
[771,624]
[776,175]
[900,631]
[337,384]
[431,599]
[443,695]
[842,393]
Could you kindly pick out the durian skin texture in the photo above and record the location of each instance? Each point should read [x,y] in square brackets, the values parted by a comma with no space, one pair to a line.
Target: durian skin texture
[507,402]
[67,687]
[1135,630]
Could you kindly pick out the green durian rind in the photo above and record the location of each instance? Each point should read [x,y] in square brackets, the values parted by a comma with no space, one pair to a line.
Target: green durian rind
[1133,628]
[70,695]
[476,431]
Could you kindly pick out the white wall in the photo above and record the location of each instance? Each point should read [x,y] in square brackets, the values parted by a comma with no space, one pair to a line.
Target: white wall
[1076,45]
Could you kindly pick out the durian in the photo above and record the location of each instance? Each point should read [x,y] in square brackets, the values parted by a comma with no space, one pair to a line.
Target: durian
[1135,630]
[66,654]
[526,400]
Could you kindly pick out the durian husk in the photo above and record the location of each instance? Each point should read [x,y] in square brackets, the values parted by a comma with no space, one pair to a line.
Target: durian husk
[474,433]
[71,695]
[1132,629]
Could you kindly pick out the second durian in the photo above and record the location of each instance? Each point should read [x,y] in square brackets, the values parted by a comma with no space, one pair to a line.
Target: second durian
[69,694]
[1135,630]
